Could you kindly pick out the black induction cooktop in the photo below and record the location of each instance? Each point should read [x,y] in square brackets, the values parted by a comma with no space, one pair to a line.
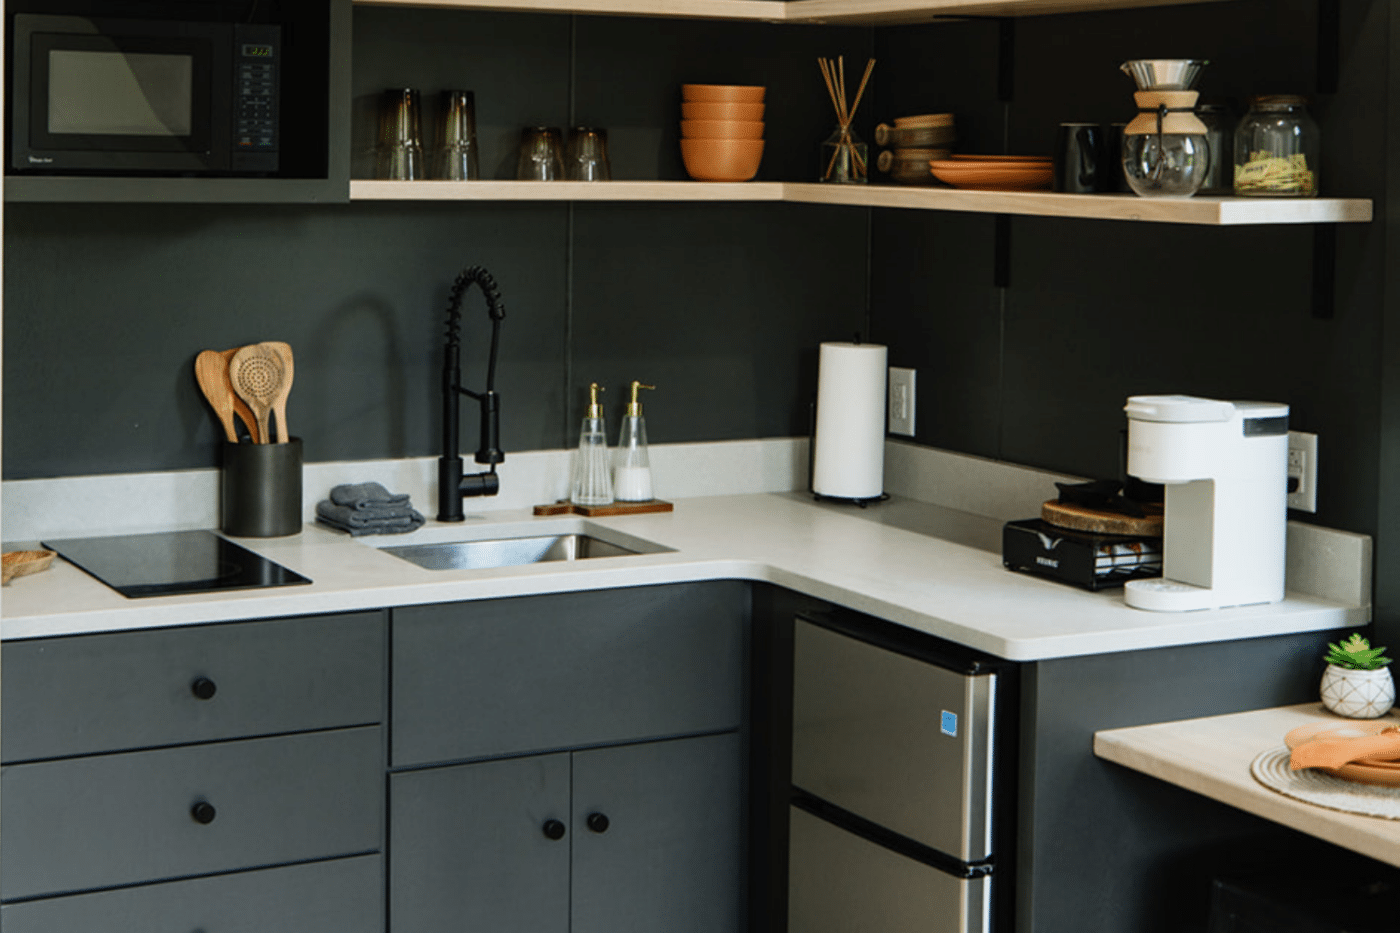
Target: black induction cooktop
[172,562]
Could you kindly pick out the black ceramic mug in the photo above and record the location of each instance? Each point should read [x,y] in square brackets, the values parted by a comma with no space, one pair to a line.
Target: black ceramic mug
[1081,160]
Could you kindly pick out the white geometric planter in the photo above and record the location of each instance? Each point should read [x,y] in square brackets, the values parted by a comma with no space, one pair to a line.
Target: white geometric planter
[1358,694]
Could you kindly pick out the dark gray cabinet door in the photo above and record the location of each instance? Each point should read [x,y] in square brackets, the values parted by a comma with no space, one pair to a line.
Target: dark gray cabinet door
[99,693]
[543,673]
[107,820]
[469,850]
[671,855]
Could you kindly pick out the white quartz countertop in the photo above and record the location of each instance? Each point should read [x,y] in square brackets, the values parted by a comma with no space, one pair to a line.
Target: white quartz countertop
[1212,756]
[927,567]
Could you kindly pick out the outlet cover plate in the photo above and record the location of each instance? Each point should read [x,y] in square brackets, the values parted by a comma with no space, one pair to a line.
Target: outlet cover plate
[1302,468]
[900,404]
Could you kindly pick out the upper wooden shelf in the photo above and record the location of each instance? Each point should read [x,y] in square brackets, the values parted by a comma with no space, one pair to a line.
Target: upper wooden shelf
[1210,211]
[868,12]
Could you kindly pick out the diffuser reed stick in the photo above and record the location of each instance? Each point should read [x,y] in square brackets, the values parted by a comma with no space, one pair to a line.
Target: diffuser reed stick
[847,163]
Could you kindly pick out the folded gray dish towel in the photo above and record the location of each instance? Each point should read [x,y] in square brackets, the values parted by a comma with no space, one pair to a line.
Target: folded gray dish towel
[364,496]
[380,521]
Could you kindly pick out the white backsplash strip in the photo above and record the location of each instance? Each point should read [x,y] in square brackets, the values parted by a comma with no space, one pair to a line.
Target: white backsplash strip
[991,488]
[128,503]
[1322,562]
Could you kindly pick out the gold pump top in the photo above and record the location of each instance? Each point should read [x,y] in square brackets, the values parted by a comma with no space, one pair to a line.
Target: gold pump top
[594,409]
[634,410]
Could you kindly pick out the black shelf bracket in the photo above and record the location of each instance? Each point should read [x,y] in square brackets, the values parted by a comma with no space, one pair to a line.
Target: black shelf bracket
[1001,257]
[1006,58]
[1329,45]
[1324,271]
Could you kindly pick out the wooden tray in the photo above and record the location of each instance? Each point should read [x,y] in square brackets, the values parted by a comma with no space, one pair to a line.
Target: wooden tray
[565,507]
[1079,518]
[23,563]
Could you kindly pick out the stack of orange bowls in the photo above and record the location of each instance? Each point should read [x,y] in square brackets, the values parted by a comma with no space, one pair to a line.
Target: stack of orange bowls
[721,131]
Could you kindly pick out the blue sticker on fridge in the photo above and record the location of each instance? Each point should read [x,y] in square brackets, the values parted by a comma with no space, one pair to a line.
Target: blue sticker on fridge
[949,725]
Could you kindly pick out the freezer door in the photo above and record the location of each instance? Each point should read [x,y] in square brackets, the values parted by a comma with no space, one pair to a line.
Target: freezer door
[896,740]
[839,882]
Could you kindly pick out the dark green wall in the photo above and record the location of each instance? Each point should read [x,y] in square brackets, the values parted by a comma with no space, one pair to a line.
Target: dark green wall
[720,305]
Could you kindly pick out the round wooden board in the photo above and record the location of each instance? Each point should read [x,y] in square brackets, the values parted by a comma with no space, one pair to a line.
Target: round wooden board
[1079,518]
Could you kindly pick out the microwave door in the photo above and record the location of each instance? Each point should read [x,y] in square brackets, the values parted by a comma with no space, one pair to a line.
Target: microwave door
[118,96]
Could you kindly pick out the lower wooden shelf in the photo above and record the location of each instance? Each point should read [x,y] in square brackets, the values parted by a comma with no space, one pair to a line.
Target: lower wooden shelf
[1211,211]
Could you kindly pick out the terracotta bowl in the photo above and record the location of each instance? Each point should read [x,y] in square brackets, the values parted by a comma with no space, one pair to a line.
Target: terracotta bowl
[722,159]
[722,129]
[708,110]
[723,93]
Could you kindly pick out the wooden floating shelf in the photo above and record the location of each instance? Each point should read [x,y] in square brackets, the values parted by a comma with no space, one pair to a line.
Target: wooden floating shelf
[865,12]
[565,191]
[1211,211]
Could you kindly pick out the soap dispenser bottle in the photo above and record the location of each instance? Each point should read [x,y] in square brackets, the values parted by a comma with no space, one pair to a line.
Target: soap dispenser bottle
[632,482]
[592,472]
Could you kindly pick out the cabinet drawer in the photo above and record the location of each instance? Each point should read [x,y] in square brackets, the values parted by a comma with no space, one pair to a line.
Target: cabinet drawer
[340,896]
[504,677]
[99,693]
[87,823]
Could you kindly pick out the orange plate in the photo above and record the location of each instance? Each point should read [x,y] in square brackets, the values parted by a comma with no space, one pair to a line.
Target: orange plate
[1380,773]
[987,173]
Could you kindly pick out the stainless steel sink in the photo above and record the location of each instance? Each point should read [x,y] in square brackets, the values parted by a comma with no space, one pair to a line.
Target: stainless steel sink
[514,552]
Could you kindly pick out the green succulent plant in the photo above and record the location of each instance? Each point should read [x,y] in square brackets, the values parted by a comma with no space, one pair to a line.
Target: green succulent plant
[1356,654]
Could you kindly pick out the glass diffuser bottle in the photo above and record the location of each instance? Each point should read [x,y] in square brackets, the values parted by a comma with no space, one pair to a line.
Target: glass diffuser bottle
[632,481]
[592,483]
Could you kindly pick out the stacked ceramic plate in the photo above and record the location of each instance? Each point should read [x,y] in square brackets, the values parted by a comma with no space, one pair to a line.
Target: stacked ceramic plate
[722,131]
[914,142]
[994,172]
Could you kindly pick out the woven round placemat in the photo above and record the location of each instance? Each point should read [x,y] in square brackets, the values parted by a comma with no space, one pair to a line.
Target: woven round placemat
[1321,789]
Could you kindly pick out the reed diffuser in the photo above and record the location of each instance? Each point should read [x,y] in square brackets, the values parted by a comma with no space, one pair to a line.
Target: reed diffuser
[843,154]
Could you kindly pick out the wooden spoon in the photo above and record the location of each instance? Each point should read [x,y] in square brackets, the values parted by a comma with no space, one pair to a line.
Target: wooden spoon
[279,403]
[240,407]
[212,373]
[256,374]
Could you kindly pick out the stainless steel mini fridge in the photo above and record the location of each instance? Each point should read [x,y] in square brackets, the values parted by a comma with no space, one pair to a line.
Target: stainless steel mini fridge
[896,801]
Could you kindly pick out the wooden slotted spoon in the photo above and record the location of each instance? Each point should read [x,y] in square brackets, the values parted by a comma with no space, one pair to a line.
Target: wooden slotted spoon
[211,371]
[257,376]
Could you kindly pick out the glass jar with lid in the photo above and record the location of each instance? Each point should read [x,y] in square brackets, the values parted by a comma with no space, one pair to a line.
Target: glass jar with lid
[1277,149]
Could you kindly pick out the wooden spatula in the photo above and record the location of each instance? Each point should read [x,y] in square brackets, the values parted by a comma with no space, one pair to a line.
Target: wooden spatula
[240,407]
[212,374]
[257,376]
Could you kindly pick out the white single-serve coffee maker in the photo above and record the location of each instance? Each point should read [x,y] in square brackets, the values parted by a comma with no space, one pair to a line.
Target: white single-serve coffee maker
[1225,469]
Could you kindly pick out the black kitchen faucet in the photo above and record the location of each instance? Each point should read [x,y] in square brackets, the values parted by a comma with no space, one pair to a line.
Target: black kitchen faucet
[452,484]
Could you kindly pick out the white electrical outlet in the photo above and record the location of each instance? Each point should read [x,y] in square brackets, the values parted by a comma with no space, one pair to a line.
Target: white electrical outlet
[1302,471]
[901,401]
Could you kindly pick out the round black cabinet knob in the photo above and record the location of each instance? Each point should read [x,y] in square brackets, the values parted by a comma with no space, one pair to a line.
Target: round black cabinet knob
[553,829]
[598,822]
[203,812]
[204,688]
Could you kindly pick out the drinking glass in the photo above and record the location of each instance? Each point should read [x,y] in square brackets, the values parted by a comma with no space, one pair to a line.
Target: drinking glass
[587,158]
[456,155]
[400,153]
[541,154]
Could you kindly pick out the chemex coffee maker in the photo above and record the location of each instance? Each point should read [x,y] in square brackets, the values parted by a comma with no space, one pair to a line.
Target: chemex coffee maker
[1224,466]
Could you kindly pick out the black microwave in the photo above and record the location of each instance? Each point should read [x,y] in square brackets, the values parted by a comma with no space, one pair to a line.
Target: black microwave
[129,97]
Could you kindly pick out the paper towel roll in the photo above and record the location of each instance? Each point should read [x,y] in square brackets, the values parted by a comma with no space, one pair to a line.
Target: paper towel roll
[849,459]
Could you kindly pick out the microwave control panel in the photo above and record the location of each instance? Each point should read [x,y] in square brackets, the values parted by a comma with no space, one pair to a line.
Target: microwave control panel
[256,63]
